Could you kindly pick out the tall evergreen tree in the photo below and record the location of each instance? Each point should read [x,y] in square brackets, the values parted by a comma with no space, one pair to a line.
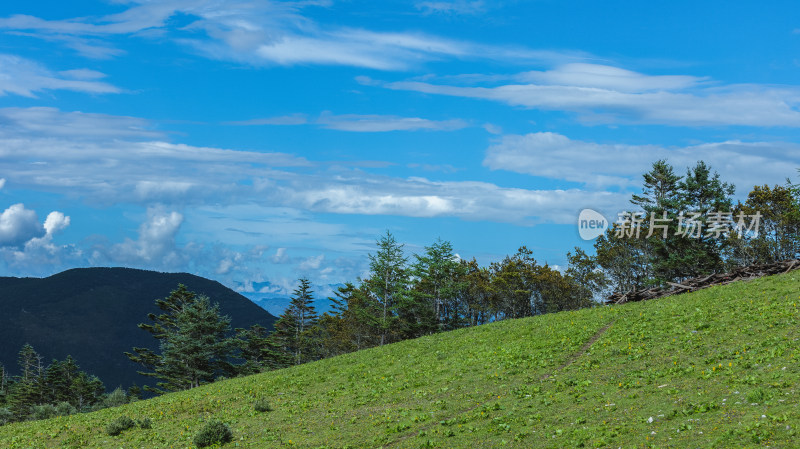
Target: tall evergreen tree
[702,193]
[293,328]
[27,390]
[259,351]
[194,347]
[438,280]
[388,282]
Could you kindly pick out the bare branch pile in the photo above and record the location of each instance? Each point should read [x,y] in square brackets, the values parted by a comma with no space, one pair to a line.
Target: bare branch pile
[690,285]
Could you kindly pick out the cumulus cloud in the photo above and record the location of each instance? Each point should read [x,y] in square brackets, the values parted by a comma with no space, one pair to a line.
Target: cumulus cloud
[603,165]
[18,225]
[155,245]
[55,222]
[20,76]
[28,246]
[280,256]
[607,94]
[312,263]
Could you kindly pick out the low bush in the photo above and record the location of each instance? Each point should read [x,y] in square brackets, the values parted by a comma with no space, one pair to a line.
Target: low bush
[214,432]
[119,425]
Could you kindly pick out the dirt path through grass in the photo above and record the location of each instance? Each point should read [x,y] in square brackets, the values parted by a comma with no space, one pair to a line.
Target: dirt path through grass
[570,360]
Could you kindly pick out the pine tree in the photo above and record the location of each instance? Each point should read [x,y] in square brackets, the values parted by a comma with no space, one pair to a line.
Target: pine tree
[701,192]
[388,282]
[437,284]
[259,351]
[27,390]
[293,328]
[194,348]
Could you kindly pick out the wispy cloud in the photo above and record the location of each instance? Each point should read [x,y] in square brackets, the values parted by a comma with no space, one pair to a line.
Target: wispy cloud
[608,94]
[20,76]
[465,7]
[604,165]
[294,119]
[270,32]
[133,169]
[359,122]
[383,123]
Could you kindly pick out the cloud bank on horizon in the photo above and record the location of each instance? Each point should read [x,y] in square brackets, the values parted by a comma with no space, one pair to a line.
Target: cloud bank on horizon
[258,142]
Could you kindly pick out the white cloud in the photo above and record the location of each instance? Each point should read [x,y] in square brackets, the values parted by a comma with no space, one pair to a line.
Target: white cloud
[599,165]
[609,94]
[2,183]
[360,123]
[155,245]
[417,197]
[383,123]
[468,7]
[27,245]
[102,156]
[269,32]
[18,225]
[46,122]
[294,119]
[20,76]
[312,263]
[55,222]
[280,256]
[607,77]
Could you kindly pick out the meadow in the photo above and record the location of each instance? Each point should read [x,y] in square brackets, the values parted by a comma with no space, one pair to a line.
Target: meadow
[714,368]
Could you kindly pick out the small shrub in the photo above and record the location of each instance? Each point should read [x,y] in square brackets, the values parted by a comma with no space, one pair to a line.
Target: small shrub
[262,405]
[45,411]
[119,425]
[757,396]
[5,416]
[214,432]
[65,409]
[145,423]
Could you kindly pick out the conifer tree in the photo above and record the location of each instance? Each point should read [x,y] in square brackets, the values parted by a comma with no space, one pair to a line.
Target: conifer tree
[194,347]
[388,282]
[259,351]
[293,328]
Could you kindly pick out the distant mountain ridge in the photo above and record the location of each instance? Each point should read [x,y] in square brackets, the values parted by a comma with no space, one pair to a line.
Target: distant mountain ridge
[92,314]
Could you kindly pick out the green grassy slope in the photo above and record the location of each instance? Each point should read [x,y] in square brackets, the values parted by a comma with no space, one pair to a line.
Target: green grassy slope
[716,368]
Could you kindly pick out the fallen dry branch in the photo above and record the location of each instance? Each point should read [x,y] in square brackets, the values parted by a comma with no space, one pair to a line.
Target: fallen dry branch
[700,282]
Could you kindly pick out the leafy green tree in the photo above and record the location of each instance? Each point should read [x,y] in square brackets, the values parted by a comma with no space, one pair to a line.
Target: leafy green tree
[584,270]
[778,236]
[476,294]
[625,261]
[194,347]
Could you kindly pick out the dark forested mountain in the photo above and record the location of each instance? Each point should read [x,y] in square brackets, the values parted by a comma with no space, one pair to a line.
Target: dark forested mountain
[92,314]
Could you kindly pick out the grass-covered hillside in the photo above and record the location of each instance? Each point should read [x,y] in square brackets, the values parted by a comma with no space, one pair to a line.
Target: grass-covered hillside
[716,368]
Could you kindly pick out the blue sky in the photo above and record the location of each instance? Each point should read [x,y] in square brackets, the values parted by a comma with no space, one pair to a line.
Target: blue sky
[257,142]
